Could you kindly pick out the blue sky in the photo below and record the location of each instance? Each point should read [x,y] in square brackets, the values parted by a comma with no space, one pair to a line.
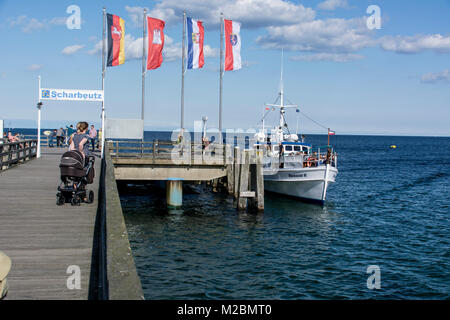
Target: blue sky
[394,80]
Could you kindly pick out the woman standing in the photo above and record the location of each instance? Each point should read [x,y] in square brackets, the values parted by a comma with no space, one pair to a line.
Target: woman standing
[79,140]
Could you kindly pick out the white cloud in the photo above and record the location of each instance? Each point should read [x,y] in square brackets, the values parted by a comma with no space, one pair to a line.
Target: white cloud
[28,25]
[166,14]
[72,49]
[20,20]
[335,57]
[416,44]
[58,21]
[210,52]
[332,4]
[171,51]
[251,13]
[291,26]
[436,77]
[321,36]
[35,67]
[133,48]
[97,49]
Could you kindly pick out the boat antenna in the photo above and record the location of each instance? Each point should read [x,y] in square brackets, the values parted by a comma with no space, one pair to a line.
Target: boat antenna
[281,106]
[281,79]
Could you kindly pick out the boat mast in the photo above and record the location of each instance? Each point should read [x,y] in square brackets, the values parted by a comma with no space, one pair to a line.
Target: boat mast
[282,122]
[281,106]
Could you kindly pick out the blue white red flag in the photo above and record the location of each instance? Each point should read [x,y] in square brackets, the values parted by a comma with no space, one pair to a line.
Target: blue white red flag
[232,45]
[195,37]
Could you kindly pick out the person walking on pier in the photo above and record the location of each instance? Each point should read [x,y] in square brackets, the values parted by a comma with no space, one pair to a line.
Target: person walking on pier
[93,136]
[70,131]
[99,140]
[59,137]
[79,141]
[52,138]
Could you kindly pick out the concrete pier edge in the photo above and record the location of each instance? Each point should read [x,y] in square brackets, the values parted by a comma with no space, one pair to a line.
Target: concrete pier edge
[123,280]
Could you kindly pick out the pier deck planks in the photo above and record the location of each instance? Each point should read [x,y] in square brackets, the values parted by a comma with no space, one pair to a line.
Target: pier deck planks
[41,238]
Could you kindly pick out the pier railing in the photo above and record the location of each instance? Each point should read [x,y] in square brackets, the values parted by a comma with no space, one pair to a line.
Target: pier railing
[13,153]
[159,151]
[45,140]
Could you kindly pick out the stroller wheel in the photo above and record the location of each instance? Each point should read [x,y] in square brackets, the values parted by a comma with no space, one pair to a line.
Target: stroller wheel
[90,197]
[60,200]
[76,201]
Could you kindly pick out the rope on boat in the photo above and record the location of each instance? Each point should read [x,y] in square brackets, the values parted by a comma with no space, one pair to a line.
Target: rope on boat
[309,118]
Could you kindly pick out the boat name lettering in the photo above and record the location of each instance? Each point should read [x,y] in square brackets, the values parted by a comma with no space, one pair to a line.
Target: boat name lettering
[298,175]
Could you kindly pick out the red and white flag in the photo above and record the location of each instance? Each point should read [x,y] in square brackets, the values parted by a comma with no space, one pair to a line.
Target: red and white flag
[155,29]
[232,45]
[331,133]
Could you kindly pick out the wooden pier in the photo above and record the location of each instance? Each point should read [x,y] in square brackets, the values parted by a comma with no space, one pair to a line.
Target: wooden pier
[48,244]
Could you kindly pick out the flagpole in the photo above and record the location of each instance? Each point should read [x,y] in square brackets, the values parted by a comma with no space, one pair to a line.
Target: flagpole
[103,82]
[183,54]
[221,78]
[38,151]
[144,69]
[328,136]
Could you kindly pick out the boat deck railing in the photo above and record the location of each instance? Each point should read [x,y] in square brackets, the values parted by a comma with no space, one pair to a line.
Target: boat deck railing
[302,160]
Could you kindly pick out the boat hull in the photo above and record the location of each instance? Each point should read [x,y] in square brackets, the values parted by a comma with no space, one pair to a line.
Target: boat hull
[308,184]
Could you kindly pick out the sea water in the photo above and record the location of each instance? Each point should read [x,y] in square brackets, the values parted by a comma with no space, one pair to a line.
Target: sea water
[389,208]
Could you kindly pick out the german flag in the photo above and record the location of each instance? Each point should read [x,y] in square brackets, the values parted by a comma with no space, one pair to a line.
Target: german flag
[116,40]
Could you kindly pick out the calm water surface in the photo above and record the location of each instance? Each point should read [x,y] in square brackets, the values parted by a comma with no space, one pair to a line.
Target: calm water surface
[388,208]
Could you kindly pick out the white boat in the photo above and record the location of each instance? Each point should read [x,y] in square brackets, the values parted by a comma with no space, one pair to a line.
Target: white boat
[293,167]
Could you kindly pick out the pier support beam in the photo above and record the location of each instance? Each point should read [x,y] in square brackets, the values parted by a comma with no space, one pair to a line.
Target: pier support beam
[174,192]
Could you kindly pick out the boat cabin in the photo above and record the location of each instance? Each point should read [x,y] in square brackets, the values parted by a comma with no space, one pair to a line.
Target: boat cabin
[295,148]
[288,148]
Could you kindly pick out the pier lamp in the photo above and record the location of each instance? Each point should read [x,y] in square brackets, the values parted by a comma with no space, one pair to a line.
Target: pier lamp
[38,151]
[204,119]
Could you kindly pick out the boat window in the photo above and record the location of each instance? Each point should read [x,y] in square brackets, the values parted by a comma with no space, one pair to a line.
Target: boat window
[297,148]
[288,148]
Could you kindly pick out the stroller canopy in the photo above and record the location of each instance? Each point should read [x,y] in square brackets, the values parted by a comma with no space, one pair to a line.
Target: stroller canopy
[73,159]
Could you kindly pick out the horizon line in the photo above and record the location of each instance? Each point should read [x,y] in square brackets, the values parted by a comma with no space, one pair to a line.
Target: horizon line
[322,134]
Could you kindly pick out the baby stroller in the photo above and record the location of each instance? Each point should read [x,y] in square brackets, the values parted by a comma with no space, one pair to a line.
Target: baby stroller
[75,175]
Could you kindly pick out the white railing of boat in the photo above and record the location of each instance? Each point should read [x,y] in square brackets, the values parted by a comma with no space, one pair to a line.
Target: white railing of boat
[302,160]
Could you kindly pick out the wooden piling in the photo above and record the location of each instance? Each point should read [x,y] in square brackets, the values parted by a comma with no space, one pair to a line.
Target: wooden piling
[257,183]
[244,181]
[236,171]
[215,184]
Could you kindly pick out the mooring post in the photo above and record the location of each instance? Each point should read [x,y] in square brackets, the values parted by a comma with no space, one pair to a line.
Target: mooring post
[257,182]
[243,181]
[230,178]
[236,171]
[174,192]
